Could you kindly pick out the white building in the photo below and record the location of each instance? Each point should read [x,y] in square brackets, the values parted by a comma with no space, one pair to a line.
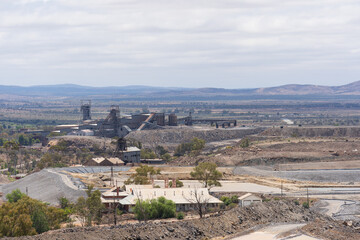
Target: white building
[185,199]
[248,199]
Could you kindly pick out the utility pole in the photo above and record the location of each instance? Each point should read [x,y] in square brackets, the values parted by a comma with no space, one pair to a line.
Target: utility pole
[281,188]
[27,193]
[112,177]
[115,218]
[307,196]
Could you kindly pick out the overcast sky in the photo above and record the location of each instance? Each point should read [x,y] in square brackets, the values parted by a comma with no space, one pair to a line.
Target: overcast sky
[184,43]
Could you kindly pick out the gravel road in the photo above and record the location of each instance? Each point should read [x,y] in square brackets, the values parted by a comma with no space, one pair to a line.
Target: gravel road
[303,175]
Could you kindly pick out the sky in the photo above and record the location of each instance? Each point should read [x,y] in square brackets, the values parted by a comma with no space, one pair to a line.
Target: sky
[179,43]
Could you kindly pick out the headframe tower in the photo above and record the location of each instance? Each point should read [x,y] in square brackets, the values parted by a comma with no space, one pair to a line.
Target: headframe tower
[86,109]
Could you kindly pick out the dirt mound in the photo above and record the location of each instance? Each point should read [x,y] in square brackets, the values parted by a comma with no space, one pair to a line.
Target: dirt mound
[223,224]
[312,132]
[175,136]
[46,186]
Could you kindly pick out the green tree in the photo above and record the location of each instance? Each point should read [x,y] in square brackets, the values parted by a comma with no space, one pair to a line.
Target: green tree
[94,205]
[90,209]
[182,149]
[61,146]
[160,150]
[195,146]
[15,196]
[11,145]
[28,216]
[143,175]
[81,210]
[64,202]
[147,153]
[178,183]
[229,200]
[155,209]
[207,174]
[40,222]
[166,157]
[51,160]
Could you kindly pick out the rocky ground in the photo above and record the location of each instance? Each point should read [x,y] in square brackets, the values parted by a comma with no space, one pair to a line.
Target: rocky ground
[316,131]
[280,151]
[221,225]
[170,138]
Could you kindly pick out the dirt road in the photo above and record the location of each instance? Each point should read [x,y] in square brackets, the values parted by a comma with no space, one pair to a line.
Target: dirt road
[281,232]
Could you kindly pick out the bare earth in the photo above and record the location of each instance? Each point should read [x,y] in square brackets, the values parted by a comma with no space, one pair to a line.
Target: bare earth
[227,223]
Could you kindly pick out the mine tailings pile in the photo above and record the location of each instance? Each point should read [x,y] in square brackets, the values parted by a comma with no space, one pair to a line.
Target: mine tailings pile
[312,132]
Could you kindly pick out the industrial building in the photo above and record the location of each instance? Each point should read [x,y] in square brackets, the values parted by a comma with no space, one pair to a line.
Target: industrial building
[117,125]
[185,199]
[130,155]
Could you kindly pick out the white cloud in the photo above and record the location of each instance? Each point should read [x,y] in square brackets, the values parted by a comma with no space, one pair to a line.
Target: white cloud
[227,36]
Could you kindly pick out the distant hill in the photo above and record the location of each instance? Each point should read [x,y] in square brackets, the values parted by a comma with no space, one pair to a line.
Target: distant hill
[71,90]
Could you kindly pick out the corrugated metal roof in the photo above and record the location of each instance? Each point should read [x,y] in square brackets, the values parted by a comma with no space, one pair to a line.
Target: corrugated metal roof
[115,161]
[132,149]
[99,159]
[246,196]
[178,195]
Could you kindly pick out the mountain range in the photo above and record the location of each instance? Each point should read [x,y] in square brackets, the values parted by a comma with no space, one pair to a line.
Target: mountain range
[71,90]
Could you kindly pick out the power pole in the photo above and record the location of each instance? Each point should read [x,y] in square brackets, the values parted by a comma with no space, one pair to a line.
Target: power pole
[307,196]
[112,177]
[115,219]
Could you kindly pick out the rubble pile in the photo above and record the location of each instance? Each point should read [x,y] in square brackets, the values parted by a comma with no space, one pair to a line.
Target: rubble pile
[173,137]
[221,224]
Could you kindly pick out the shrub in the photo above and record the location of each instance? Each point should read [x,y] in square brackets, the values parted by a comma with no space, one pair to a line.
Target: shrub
[178,183]
[64,202]
[305,205]
[234,199]
[244,143]
[180,215]
[232,205]
[155,209]
[226,200]
[195,146]
[147,154]
[15,196]
[166,157]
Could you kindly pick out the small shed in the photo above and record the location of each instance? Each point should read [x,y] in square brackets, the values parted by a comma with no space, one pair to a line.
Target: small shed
[248,199]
